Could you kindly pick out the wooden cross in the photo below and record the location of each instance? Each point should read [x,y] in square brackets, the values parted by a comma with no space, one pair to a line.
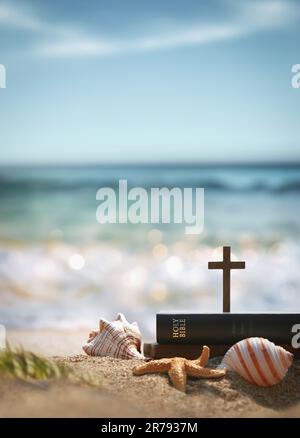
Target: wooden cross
[226,265]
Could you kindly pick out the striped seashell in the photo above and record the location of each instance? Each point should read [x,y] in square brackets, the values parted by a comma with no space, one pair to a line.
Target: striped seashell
[258,360]
[118,339]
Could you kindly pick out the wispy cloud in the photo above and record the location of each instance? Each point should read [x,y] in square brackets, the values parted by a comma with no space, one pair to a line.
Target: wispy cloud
[248,17]
[87,46]
[15,16]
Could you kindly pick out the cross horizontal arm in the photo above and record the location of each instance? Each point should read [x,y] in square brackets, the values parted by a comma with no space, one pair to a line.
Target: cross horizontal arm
[215,265]
[237,265]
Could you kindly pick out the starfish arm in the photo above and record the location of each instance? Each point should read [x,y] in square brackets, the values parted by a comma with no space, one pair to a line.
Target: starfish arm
[177,375]
[155,366]
[204,357]
[197,371]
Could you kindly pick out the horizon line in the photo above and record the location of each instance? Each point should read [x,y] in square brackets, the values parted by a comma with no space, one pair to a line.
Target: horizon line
[159,163]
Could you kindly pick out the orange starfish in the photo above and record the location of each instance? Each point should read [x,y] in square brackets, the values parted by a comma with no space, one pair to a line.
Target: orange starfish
[179,368]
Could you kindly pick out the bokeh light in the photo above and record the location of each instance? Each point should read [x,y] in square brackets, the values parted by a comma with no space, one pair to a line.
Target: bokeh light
[76,262]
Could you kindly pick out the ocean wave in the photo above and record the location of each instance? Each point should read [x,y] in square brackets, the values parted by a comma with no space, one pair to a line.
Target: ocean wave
[11,186]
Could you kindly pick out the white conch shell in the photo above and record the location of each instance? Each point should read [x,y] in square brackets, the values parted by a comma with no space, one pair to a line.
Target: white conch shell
[258,360]
[118,339]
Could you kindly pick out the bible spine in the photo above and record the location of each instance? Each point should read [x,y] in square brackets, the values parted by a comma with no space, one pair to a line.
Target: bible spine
[226,328]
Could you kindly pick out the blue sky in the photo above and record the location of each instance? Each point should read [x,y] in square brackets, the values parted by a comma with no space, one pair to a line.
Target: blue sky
[142,80]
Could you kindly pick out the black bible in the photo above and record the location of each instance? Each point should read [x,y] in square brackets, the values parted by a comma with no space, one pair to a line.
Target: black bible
[225,328]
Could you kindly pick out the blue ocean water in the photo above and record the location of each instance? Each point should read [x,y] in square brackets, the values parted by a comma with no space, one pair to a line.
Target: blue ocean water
[60,268]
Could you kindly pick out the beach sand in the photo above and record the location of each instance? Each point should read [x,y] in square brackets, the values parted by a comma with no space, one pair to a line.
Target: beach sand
[124,395]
